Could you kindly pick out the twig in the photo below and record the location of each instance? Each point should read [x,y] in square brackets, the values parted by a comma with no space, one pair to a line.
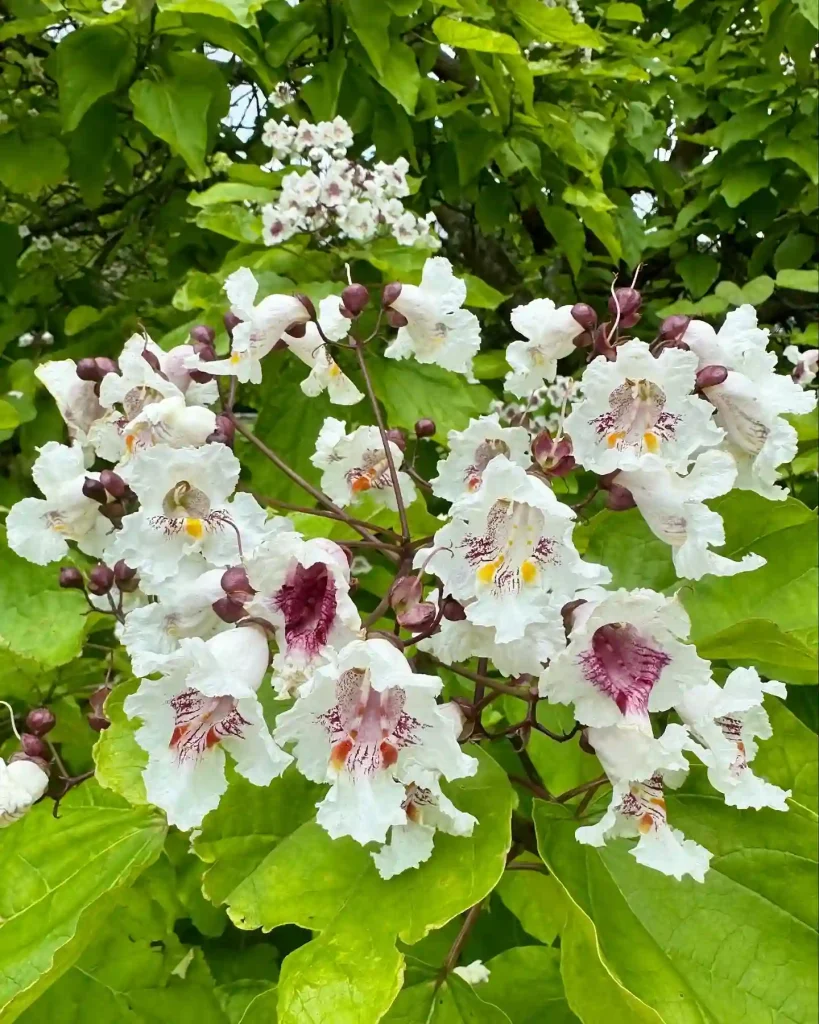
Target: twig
[586,786]
[459,943]
[475,678]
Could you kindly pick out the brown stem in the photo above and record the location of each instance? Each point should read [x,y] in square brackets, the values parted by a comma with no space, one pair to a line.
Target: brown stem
[402,512]
[377,612]
[459,943]
[585,787]
[326,514]
[527,865]
[533,787]
[475,678]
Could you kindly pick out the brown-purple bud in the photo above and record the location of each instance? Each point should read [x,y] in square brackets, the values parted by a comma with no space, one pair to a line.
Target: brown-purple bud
[228,610]
[99,723]
[619,498]
[567,614]
[553,455]
[94,490]
[629,301]
[454,610]
[230,321]
[420,616]
[307,302]
[584,315]
[98,698]
[114,510]
[151,359]
[348,553]
[87,369]
[71,578]
[106,365]
[710,376]
[425,428]
[125,577]
[113,483]
[674,327]
[601,343]
[354,298]
[203,335]
[100,579]
[390,293]
[40,721]
[236,585]
[226,426]
[33,746]
[295,330]
[398,438]
[405,592]
[396,319]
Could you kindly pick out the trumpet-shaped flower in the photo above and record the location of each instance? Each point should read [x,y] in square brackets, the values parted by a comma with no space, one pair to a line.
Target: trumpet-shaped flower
[470,452]
[22,783]
[550,332]
[76,399]
[325,373]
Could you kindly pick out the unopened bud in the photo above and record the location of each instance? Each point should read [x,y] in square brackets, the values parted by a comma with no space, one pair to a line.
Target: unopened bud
[114,510]
[553,455]
[228,610]
[619,498]
[354,298]
[710,376]
[419,617]
[217,437]
[295,330]
[307,302]
[629,301]
[584,315]
[40,721]
[71,578]
[226,426]
[398,438]
[203,335]
[100,579]
[674,327]
[106,365]
[405,592]
[425,428]
[567,614]
[41,763]
[601,344]
[98,698]
[94,490]
[125,577]
[230,321]
[236,584]
[390,293]
[99,723]
[113,483]
[33,746]
[348,553]
[151,359]
[396,319]
[453,610]
[87,369]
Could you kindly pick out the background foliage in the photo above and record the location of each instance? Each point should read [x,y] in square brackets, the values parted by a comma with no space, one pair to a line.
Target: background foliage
[555,152]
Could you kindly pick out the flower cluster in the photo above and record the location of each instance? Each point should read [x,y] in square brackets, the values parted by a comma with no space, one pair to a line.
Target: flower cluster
[329,191]
[212,596]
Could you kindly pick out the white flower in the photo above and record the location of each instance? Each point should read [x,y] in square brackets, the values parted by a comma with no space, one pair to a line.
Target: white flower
[301,191]
[727,720]
[438,330]
[307,136]
[336,184]
[806,364]
[205,704]
[460,641]
[550,332]
[509,546]
[673,507]
[740,343]
[391,179]
[475,973]
[26,340]
[262,326]
[637,406]
[112,6]
[280,137]
[325,372]
[625,658]
[471,451]
[184,510]
[38,529]
[175,364]
[358,220]
[427,810]
[356,463]
[151,633]
[370,726]
[303,588]
[336,135]
[76,399]
[22,783]
[278,225]
[282,95]
[170,422]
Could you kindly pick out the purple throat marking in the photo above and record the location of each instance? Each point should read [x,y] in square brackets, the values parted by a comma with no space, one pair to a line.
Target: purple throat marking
[308,602]
[622,664]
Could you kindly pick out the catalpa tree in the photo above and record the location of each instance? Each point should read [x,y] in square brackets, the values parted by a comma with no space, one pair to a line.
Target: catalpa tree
[409,470]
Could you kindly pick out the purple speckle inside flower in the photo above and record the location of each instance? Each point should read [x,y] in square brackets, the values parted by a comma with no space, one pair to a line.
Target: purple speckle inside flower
[308,602]
[624,665]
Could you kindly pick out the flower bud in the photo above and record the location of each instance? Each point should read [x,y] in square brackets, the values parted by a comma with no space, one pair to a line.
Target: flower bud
[99,723]
[398,438]
[236,585]
[40,721]
[87,369]
[217,437]
[71,578]
[230,321]
[553,455]
[228,610]
[307,303]
[34,746]
[425,428]
[98,698]
[151,359]
[113,483]
[100,579]
[567,613]
[405,592]
[390,293]
[396,319]
[419,617]
[619,498]
[629,301]
[710,376]
[348,553]
[125,577]
[95,490]
[226,426]
[206,353]
[203,335]
[601,344]
[19,755]
[674,327]
[106,365]
[114,510]
[584,315]
[354,298]
[453,610]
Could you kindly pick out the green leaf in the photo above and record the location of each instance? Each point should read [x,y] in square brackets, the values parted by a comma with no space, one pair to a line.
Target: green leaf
[28,166]
[411,391]
[79,318]
[799,280]
[699,271]
[525,983]
[236,222]
[800,152]
[118,757]
[91,63]
[623,542]
[741,182]
[453,1002]
[164,106]
[91,148]
[735,946]
[789,758]
[490,365]
[59,878]
[241,12]
[401,76]
[371,24]
[754,292]
[482,295]
[9,417]
[783,592]
[809,10]
[532,898]
[793,252]
[472,37]
[232,192]
[320,93]
[567,231]
[624,12]
[554,25]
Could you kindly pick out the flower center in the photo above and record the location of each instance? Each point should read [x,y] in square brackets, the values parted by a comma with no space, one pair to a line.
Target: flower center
[636,418]
[308,602]
[367,727]
[374,472]
[484,453]
[137,398]
[732,731]
[623,664]
[513,549]
[645,803]
[201,722]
